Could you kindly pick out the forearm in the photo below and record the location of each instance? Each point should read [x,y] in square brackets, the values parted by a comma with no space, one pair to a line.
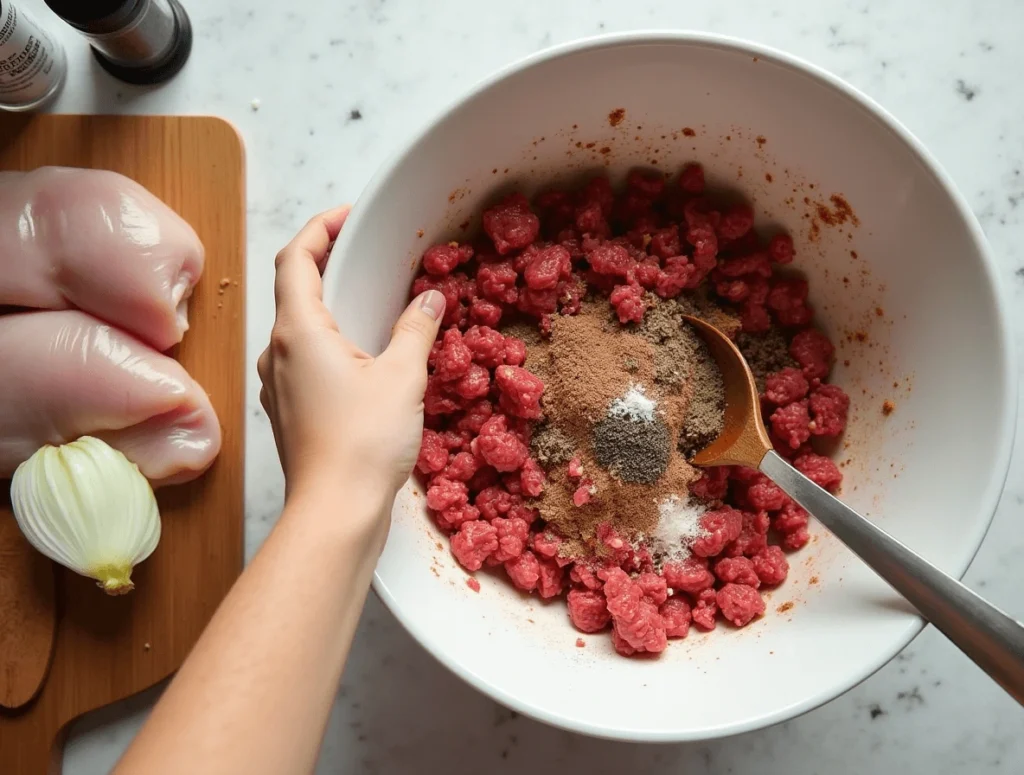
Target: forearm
[255,694]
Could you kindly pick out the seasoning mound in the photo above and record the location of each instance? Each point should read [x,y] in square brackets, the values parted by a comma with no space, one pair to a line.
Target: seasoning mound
[625,402]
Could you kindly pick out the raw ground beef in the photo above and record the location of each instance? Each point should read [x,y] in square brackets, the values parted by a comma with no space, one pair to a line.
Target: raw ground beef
[539,259]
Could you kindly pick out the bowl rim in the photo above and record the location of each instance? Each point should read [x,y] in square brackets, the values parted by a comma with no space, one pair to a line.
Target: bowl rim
[1004,444]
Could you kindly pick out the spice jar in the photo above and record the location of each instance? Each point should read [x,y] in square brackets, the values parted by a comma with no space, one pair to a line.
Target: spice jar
[137,41]
[32,63]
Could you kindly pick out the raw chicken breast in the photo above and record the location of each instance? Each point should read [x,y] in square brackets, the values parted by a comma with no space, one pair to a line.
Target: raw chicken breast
[66,374]
[100,242]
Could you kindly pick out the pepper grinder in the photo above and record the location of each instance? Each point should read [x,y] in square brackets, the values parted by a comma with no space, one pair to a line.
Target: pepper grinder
[136,41]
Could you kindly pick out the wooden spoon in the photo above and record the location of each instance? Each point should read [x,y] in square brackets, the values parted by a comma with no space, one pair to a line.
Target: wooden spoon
[993,640]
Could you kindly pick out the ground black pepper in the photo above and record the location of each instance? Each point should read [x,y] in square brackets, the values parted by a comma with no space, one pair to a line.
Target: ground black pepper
[632,450]
[663,326]
[678,346]
[705,413]
[765,353]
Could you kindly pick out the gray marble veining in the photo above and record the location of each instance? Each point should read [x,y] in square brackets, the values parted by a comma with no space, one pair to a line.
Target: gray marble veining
[323,92]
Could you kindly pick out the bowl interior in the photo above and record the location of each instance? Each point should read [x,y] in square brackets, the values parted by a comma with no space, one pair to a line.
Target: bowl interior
[899,280]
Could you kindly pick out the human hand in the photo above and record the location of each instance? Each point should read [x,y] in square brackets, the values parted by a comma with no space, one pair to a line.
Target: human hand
[342,419]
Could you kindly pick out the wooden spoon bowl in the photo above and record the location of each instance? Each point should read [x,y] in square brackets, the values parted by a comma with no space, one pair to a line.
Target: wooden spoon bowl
[744,440]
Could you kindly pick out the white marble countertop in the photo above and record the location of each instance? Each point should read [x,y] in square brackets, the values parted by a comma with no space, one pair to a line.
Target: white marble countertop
[339,85]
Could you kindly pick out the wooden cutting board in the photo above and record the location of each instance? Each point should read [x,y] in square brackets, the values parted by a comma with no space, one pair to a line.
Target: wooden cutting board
[107,648]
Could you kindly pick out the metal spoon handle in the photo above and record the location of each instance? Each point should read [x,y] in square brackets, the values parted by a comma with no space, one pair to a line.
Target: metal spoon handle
[984,633]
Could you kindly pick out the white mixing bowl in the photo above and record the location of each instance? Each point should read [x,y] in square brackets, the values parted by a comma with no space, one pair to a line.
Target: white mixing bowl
[909,295]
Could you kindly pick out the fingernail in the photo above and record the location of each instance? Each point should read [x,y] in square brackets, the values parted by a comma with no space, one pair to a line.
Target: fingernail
[432,302]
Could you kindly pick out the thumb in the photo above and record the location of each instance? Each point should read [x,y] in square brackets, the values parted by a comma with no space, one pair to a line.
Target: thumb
[416,329]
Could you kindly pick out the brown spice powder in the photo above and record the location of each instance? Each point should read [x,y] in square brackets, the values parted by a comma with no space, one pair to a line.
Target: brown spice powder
[588,362]
[679,347]
[705,412]
[765,353]
[674,353]
[631,508]
[522,329]
[840,213]
[682,360]
[582,365]
[699,304]
[550,446]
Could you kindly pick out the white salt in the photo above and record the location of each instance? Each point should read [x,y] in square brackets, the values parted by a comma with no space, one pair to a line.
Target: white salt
[634,404]
[678,527]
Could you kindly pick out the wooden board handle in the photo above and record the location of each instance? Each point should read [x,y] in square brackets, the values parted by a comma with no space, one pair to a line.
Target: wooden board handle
[28,616]
[41,752]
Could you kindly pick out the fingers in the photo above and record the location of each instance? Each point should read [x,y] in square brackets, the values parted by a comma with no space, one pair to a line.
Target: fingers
[321,264]
[297,282]
[267,402]
[263,366]
[415,331]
